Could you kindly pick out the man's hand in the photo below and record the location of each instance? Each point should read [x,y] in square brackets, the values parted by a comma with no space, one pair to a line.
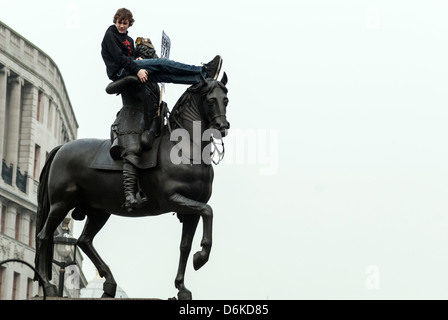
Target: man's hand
[142,74]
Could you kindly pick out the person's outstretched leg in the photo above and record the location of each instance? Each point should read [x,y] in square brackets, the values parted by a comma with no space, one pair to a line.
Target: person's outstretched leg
[163,65]
[169,71]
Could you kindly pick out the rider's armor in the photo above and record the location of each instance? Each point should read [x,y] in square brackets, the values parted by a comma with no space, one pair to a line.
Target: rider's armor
[139,112]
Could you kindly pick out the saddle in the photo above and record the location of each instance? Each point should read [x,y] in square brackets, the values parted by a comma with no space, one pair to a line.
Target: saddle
[103,161]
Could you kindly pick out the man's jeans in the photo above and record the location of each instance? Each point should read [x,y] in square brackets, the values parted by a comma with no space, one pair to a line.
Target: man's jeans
[169,71]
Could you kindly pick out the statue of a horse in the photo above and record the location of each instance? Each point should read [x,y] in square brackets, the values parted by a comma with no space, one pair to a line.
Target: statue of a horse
[69,182]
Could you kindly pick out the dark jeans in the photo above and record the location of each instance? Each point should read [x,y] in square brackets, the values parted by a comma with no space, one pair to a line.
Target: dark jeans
[169,71]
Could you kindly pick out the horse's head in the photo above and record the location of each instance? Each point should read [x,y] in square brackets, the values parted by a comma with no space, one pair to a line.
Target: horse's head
[206,102]
[214,104]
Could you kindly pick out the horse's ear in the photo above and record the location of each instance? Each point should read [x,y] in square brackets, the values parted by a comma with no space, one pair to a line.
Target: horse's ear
[224,79]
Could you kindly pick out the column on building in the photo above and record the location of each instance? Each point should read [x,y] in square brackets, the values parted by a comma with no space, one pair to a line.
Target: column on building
[4,73]
[24,235]
[2,203]
[12,140]
[27,140]
[7,283]
[10,220]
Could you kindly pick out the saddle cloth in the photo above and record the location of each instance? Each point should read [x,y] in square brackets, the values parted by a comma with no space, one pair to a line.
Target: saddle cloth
[103,160]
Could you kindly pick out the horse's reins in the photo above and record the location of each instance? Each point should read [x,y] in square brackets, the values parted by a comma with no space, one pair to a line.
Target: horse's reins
[214,150]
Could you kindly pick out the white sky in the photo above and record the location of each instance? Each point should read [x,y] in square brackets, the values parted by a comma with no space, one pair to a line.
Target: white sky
[342,194]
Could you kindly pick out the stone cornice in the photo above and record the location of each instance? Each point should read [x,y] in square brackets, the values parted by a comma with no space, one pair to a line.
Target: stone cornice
[41,64]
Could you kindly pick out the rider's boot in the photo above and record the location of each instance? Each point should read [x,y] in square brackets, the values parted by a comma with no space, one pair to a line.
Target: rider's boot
[130,176]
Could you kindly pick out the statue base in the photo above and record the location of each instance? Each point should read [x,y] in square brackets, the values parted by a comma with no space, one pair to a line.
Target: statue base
[98,299]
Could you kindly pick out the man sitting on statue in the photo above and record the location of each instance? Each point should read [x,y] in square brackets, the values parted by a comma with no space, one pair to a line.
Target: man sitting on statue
[118,52]
[121,59]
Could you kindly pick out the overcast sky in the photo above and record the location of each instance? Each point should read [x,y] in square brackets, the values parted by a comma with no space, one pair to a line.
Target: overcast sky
[334,184]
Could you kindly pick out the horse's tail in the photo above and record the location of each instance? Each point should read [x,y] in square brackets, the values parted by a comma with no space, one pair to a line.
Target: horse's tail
[43,205]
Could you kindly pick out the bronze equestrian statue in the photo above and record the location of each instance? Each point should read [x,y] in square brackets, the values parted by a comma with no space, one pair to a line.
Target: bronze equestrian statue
[81,175]
[139,112]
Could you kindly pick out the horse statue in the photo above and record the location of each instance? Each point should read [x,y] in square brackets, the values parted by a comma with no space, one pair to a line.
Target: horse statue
[70,181]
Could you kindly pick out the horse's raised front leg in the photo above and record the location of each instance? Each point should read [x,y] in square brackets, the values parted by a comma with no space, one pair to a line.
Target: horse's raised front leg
[189,224]
[95,221]
[188,206]
[185,206]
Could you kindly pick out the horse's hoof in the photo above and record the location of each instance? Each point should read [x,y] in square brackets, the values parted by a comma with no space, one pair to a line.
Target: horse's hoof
[184,294]
[109,290]
[199,259]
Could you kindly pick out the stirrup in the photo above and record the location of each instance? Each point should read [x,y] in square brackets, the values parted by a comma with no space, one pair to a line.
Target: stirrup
[129,204]
[141,199]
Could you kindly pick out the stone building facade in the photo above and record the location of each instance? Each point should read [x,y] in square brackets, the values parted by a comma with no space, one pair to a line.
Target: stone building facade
[35,116]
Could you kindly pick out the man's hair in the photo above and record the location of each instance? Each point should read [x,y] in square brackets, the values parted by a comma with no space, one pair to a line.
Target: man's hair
[124,14]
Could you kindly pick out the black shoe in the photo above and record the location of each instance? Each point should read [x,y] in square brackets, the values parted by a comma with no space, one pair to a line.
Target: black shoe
[213,68]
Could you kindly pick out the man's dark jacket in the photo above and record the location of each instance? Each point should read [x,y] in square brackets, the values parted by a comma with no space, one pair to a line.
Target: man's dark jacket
[118,52]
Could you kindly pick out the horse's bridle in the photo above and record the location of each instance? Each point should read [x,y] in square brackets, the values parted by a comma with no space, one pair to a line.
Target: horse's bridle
[204,114]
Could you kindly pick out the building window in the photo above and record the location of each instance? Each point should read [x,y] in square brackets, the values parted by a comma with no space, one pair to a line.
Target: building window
[36,169]
[18,218]
[29,288]
[50,115]
[39,115]
[65,137]
[3,219]
[31,234]
[21,179]
[7,172]
[56,124]
[15,286]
